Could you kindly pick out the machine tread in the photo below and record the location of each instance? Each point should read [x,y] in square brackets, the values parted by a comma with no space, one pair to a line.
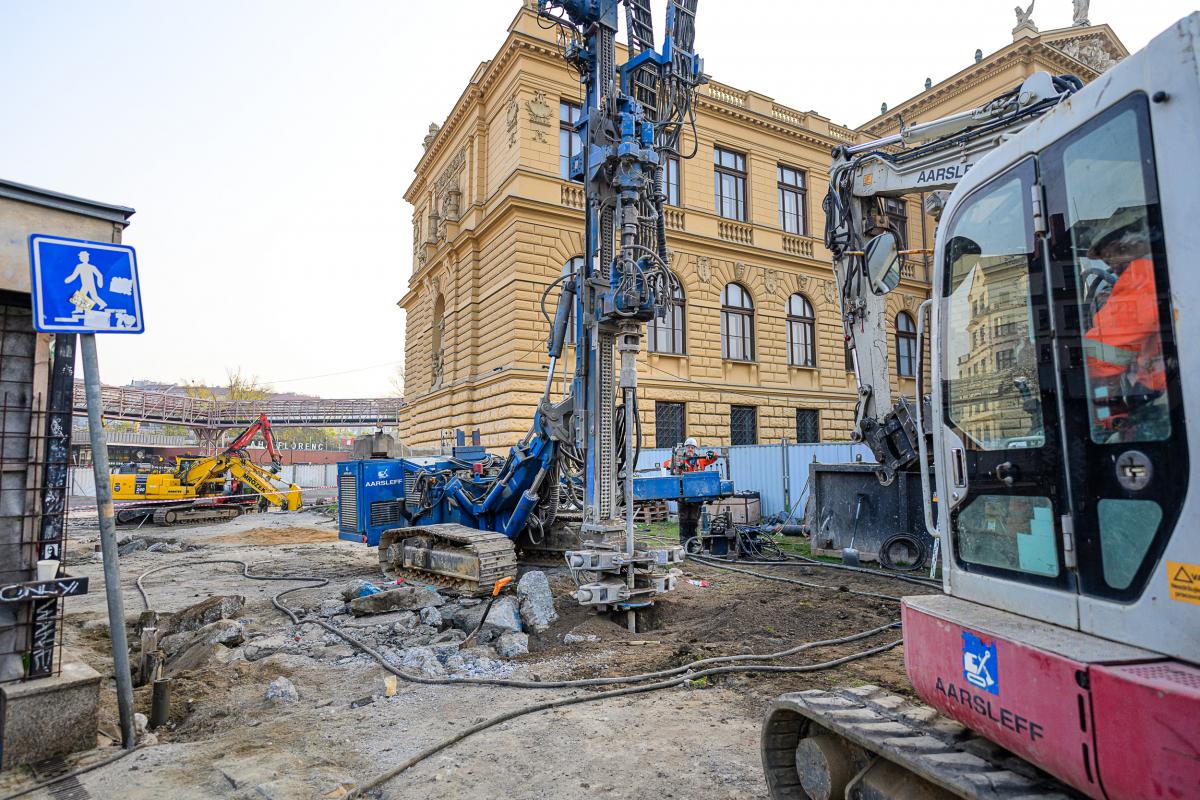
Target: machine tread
[910,735]
[495,551]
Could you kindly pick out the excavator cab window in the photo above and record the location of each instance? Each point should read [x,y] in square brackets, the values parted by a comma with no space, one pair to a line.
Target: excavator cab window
[1123,411]
[995,379]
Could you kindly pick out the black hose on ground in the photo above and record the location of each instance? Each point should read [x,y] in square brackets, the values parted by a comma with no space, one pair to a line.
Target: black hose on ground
[378,781]
[681,674]
[813,562]
[712,563]
[917,546]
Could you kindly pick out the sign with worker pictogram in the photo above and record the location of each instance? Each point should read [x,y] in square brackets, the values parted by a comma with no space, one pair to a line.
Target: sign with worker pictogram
[979,663]
[1184,581]
[84,287]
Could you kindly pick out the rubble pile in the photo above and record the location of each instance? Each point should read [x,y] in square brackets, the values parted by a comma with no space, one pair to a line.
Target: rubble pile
[413,627]
[419,630]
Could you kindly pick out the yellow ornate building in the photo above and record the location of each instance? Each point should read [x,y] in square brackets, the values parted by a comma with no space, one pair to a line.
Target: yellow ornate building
[753,350]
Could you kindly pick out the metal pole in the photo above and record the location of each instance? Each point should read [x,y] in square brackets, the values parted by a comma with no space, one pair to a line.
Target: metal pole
[631,618]
[108,539]
[787,475]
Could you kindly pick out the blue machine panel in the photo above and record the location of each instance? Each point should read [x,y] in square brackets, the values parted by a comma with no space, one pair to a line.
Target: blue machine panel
[370,498]
[705,485]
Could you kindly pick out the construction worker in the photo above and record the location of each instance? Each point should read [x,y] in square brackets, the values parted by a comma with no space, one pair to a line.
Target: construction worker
[690,461]
[1124,345]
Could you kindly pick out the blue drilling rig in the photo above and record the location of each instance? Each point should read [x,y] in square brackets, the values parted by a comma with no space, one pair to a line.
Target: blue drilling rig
[568,487]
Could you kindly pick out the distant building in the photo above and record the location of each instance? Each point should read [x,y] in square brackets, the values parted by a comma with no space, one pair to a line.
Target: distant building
[753,347]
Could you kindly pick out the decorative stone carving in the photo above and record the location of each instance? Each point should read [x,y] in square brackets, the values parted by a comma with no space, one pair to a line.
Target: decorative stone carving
[1081,13]
[828,292]
[511,117]
[416,235]
[1090,51]
[703,269]
[1025,18]
[739,270]
[429,137]
[910,302]
[539,115]
[771,281]
[802,282]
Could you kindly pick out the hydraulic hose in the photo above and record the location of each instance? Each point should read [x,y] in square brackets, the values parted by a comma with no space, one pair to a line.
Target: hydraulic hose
[674,677]
[712,563]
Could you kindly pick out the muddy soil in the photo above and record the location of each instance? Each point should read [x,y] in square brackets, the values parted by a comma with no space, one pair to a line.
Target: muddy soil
[225,739]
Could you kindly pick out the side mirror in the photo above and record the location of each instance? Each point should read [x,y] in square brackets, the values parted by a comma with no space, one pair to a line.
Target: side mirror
[882,257]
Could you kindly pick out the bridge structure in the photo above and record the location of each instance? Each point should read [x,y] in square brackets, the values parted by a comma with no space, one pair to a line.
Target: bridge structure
[210,418]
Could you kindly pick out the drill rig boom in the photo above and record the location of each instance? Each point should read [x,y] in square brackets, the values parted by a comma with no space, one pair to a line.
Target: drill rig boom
[867,250]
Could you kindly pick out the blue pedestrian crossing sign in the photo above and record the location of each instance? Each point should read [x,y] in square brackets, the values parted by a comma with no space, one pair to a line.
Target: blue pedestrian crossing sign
[84,287]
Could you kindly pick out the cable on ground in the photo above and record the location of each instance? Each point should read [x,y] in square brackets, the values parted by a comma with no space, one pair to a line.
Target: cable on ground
[715,565]
[680,674]
[72,774]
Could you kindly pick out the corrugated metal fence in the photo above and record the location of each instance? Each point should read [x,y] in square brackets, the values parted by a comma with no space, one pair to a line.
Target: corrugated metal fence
[778,472]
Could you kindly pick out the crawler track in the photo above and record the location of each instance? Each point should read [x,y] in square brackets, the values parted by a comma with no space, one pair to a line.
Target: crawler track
[452,557]
[907,745]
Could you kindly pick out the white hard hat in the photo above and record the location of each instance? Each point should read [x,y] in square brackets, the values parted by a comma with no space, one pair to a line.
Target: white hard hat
[690,442]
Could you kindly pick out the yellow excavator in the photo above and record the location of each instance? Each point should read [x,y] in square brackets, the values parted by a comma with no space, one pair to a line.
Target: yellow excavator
[204,488]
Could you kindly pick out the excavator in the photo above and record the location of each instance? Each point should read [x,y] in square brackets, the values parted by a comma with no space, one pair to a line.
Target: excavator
[1063,657]
[206,488]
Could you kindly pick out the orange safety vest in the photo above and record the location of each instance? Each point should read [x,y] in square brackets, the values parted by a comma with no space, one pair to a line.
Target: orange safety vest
[1124,338]
[693,464]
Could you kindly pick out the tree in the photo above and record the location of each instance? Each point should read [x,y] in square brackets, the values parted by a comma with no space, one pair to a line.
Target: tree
[397,381]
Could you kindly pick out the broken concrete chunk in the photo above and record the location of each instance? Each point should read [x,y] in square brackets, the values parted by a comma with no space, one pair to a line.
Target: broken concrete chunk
[575,638]
[402,598]
[203,613]
[226,632]
[511,645]
[331,608]
[268,646]
[504,616]
[537,603]
[424,661]
[453,635]
[282,690]
[131,546]
[431,616]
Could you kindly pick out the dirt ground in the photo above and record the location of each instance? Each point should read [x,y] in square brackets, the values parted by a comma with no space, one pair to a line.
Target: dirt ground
[226,740]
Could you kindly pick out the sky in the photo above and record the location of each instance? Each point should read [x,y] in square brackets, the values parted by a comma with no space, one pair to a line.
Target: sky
[267,144]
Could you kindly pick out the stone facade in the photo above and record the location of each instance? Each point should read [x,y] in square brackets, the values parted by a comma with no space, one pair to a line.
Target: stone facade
[494,224]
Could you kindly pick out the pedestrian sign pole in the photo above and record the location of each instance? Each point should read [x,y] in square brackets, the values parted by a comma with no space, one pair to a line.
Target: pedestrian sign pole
[88,288]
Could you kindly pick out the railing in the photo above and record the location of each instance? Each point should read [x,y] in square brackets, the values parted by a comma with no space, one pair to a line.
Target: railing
[788,115]
[141,439]
[137,405]
[572,195]
[674,218]
[735,232]
[798,245]
[727,95]
[914,270]
[844,134]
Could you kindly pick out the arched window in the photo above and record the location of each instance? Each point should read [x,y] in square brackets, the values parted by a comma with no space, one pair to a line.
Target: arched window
[572,267]
[437,364]
[801,332]
[737,323]
[906,345]
[668,335]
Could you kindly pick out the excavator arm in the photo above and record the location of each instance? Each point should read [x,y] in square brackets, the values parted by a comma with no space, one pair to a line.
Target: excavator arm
[932,158]
[261,425]
[267,485]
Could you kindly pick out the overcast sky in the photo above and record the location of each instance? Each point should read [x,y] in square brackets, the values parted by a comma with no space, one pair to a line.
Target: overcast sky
[267,145]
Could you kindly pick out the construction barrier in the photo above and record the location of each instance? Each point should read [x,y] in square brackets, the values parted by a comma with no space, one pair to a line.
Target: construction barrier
[778,472]
[307,476]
